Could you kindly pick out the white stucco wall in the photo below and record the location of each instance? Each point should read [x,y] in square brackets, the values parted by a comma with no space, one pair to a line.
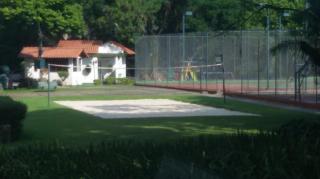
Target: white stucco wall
[30,71]
[108,55]
[89,70]
[120,67]
[117,56]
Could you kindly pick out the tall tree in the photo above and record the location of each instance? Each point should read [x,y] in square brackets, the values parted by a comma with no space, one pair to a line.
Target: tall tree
[122,20]
[20,18]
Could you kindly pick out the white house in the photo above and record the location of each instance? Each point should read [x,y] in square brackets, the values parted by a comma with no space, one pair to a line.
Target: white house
[84,60]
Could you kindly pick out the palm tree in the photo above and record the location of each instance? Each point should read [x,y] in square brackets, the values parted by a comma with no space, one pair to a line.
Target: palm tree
[307,45]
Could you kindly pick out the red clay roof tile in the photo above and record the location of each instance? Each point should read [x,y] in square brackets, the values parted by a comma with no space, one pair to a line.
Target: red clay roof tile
[52,53]
[90,46]
[124,48]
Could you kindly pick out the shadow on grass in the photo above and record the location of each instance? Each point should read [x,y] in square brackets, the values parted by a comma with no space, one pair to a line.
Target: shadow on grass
[80,128]
[74,127]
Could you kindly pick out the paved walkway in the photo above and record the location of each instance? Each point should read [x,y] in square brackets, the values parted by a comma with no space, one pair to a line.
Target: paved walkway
[276,105]
[272,104]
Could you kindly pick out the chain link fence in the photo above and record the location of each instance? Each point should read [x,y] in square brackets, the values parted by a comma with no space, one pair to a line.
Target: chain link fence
[190,62]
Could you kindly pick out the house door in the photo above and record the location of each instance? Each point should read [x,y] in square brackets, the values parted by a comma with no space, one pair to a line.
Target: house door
[106,64]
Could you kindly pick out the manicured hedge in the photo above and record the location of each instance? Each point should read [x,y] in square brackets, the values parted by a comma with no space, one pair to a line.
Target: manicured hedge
[12,113]
[265,155]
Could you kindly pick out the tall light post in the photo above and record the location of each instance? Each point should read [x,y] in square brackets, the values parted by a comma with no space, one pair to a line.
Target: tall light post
[282,14]
[268,45]
[267,6]
[187,13]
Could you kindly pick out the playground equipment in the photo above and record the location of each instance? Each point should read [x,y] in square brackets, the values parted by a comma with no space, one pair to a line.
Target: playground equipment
[187,73]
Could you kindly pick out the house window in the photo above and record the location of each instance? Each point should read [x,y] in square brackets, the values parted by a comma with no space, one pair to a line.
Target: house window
[36,64]
[62,64]
[76,65]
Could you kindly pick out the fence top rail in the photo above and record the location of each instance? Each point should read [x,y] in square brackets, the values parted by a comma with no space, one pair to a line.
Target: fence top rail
[213,33]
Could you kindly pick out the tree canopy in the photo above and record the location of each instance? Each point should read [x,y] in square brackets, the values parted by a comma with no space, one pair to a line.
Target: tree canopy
[124,20]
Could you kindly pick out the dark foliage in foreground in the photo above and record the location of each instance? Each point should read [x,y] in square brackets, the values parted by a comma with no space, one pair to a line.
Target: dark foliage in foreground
[12,113]
[266,155]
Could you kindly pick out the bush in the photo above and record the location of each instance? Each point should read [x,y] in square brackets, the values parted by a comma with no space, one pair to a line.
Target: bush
[12,113]
[264,155]
[110,81]
[301,129]
[118,81]
[29,83]
[97,82]
[125,81]
[63,74]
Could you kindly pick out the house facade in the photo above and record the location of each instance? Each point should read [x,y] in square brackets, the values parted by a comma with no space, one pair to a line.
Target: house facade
[82,60]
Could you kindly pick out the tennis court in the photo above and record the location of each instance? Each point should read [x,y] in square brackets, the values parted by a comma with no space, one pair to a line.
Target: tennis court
[242,60]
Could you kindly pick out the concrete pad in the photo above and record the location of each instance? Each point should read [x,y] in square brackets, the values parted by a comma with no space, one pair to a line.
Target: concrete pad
[146,108]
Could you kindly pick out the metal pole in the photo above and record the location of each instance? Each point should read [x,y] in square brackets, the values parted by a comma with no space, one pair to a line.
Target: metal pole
[200,80]
[247,65]
[223,78]
[240,49]
[241,53]
[316,74]
[258,61]
[295,79]
[49,70]
[183,37]
[40,49]
[287,72]
[275,77]
[169,60]
[268,47]
[207,59]
[183,45]
[101,77]
[276,73]
[278,64]
[307,6]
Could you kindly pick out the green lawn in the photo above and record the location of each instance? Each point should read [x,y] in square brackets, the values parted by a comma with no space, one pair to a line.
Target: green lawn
[61,124]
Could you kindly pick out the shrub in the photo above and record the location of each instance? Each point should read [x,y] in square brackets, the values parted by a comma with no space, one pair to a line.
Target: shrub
[301,129]
[97,82]
[125,81]
[58,82]
[118,81]
[63,74]
[12,113]
[29,83]
[110,81]
[264,155]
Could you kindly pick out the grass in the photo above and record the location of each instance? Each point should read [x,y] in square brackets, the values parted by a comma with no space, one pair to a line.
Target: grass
[55,141]
[71,127]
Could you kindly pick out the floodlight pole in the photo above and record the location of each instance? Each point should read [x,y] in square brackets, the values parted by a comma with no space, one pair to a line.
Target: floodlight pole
[267,6]
[268,47]
[224,80]
[307,6]
[40,47]
[187,13]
